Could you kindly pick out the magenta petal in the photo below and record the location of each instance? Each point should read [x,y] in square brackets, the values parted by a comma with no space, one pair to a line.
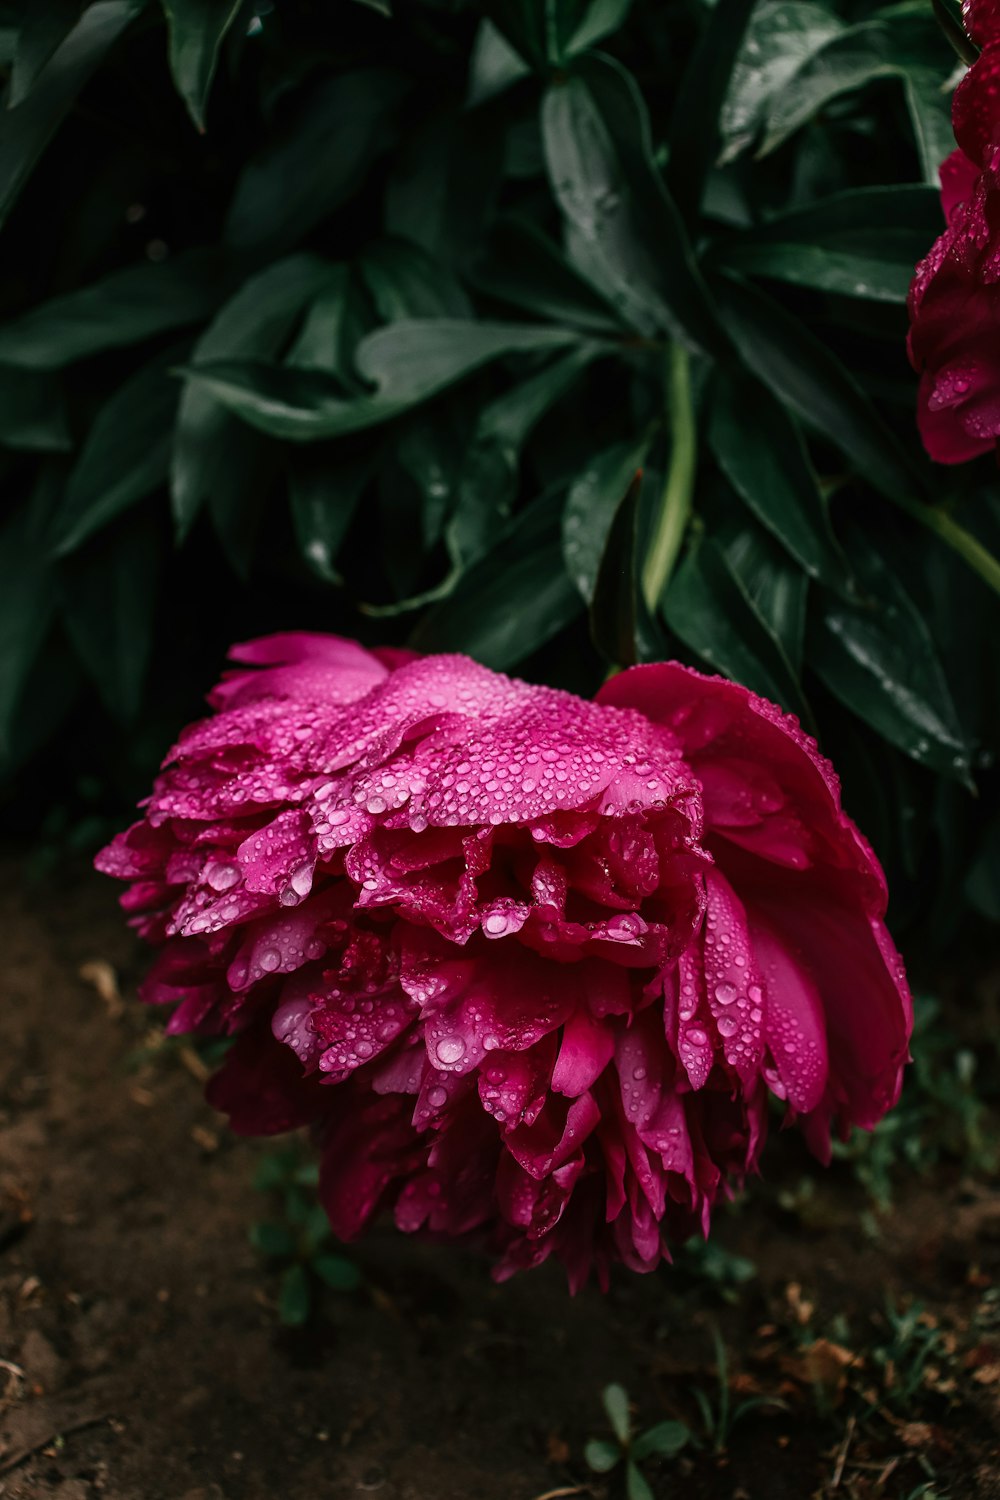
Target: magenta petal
[585,1051]
[796,1029]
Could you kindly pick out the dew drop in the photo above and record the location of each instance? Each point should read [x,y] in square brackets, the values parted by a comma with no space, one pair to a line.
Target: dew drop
[450,1049]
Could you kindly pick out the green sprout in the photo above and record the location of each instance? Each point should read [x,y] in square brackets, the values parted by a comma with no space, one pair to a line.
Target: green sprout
[627,1447]
[301,1245]
[722,1417]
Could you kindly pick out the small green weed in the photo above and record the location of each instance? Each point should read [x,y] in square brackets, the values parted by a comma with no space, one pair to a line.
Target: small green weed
[300,1244]
[720,1416]
[627,1447]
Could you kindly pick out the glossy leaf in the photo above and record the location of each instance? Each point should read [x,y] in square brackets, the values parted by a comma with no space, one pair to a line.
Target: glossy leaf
[523,267]
[122,308]
[494,64]
[330,142]
[594,497]
[408,362]
[858,56]
[126,455]
[930,117]
[760,450]
[775,585]
[405,282]
[599,159]
[510,603]
[878,658]
[325,490]
[197,28]
[26,130]
[444,185]
[44,25]
[693,140]
[213,456]
[781,36]
[709,610]
[803,373]
[614,609]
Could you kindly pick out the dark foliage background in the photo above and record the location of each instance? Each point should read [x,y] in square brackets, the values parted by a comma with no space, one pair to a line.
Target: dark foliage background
[320,315]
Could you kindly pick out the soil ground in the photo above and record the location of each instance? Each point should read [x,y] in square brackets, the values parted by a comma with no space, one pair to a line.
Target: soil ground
[141,1357]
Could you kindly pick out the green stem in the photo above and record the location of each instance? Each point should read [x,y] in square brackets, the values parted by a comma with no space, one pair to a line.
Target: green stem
[961,541]
[675,506]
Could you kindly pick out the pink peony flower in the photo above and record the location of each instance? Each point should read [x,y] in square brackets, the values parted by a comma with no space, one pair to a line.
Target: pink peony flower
[954,307]
[954,301]
[530,967]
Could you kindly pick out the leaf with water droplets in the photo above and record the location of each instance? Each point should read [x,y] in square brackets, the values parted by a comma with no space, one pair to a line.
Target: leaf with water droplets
[596,136]
[878,658]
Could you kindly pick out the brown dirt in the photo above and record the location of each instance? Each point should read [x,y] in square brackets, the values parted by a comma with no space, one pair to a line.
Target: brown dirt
[154,1367]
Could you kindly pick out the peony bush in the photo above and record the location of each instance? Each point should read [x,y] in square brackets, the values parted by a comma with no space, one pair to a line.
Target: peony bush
[531,968]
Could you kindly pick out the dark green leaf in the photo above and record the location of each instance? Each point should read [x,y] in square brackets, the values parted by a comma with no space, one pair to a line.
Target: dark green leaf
[405,282]
[776,587]
[856,57]
[614,609]
[594,497]
[665,1440]
[108,594]
[693,140]
[861,244]
[599,158]
[488,480]
[760,450]
[602,1455]
[443,186]
[636,1487]
[710,611]
[511,602]
[910,206]
[44,25]
[122,308]
[197,28]
[339,1273]
[799,369]
[26,130]
[408,362]
[614,1399]
[214,457]
[32,412]
[294,1298]
[601,19]
[878,658]
[781,37]
[318,162]
[336,320]
[125,457]
[876,268]
[524,268]
[494,65]
[930,115]
[326,489]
